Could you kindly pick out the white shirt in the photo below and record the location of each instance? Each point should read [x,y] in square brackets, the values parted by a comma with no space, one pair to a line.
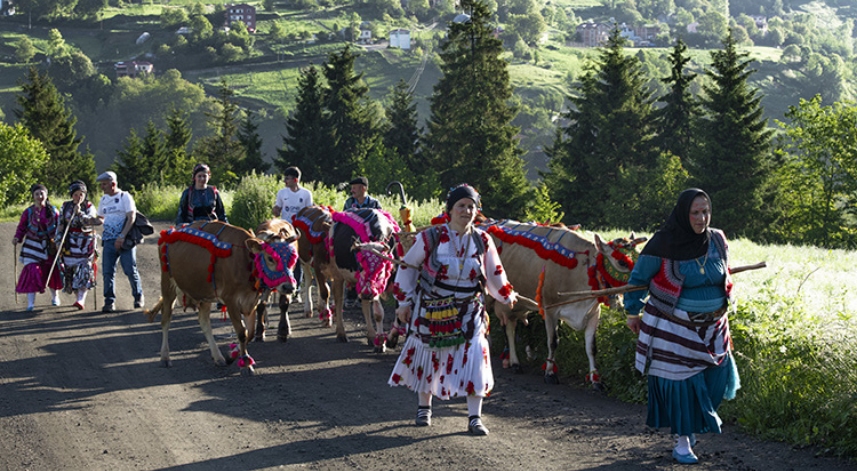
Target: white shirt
[113,210]
[292,201]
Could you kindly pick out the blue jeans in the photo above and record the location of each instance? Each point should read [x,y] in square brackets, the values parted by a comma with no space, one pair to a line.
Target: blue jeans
[128,258]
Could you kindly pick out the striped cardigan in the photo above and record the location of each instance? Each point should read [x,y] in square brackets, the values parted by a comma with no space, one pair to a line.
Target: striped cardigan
[670,346]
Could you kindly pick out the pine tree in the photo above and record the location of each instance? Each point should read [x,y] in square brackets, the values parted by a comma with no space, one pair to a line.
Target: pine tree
[676,119]
[176,140]
[248,136]
[600,162]
[222,151]
[44,115]
[306,138]
[733,164]
[154,155]
[350,119]
[470,138]
[130,164]
[402,133]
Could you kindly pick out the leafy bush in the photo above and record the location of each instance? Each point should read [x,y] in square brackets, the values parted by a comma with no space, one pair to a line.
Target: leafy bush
[252,200]
[158,202]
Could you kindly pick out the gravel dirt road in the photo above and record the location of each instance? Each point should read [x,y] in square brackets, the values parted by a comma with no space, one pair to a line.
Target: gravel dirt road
[82,390]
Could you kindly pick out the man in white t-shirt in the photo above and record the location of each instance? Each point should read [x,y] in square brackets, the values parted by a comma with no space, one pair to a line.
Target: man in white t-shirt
[117,211]
[290,200]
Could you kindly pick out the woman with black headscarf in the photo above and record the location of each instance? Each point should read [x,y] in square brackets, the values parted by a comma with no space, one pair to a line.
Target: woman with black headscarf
[684,343]
[78,250]
[35,233]
[446,352]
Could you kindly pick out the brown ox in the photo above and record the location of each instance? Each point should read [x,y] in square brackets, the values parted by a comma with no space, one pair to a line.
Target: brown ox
[322,236]
[566,257]
[274,231]
[212,262]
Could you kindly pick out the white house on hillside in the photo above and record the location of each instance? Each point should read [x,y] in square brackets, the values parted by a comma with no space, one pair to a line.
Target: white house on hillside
[400,38]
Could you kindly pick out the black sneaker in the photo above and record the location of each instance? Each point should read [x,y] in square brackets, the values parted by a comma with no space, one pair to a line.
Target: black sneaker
[423,417]
[108,308]
[475,427]
[139,303]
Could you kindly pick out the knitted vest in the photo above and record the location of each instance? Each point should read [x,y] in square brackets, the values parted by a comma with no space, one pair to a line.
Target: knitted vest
[665,287]
[432,265]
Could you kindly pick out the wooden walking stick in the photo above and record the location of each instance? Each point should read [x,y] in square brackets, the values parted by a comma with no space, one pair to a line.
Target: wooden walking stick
[59,252]
[15,277]
[585,295]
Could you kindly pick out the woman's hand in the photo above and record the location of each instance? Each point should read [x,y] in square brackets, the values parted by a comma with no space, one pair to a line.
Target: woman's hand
[15,241]
[404,313]
[633,323]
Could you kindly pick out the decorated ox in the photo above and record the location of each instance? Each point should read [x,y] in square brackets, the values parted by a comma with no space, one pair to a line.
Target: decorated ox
[354,232]
[214,261]
[349,253]
[279,234]
[313,223]
[540,262]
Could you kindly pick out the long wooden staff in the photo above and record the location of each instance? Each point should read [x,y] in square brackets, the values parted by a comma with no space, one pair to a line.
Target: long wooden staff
[532,304]
[15,254]
[59,252]
[629,288]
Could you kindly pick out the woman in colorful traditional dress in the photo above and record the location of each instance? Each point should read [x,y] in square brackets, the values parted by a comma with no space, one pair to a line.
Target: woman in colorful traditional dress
[36,230]
[446,352]
[200,202]
[78,250]
[684,344]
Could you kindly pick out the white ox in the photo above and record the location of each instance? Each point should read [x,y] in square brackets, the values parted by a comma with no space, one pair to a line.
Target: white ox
[571,263]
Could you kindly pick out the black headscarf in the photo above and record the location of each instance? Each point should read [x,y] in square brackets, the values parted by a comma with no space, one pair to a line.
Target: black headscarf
[76,185]
[677,240]
[37,186]
[460,192]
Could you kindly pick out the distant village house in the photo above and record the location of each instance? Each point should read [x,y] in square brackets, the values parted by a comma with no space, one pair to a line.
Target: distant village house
[133,69]
[400,38]
[365,33]
[596,34]
[243,13]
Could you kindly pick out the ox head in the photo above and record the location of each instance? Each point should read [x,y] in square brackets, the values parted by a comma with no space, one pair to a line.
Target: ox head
[616,260]
[275,255]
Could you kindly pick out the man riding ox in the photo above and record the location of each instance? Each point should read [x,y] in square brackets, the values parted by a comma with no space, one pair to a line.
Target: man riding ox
[350,247]
[542,261]
[279,234]
[214,261]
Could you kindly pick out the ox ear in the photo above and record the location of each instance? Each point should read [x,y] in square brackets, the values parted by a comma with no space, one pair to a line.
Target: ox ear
[600,244]
[254,245]
[632,236]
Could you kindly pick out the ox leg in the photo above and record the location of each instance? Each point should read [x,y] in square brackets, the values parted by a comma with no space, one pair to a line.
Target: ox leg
[284,330]
[589,335]
[205,323]
[239,351]
[338,298]
[374,315]
[396,330]
[551,324]
[168,295]
[511,327]
[324,312]
[257,321]
[309,276]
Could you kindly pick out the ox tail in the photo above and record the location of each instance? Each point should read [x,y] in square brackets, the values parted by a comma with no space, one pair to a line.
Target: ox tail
[151,313]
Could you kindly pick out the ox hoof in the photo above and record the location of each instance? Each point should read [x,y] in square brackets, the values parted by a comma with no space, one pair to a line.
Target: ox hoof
[307,315]
[551,379]
[248,371]
[393,340]
[327,323]
[342,339]
[516,369]
[166,363]
[598,387]
[380,349]
[259,338]
[220,362]
[283,338]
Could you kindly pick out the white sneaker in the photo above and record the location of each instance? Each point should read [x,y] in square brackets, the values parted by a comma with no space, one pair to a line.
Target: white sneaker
[56,301]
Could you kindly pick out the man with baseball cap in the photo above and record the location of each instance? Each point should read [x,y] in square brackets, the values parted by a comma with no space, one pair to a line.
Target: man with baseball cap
[117,211]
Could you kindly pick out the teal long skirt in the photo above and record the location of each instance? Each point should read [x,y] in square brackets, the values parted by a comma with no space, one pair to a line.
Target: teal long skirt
[690,405]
